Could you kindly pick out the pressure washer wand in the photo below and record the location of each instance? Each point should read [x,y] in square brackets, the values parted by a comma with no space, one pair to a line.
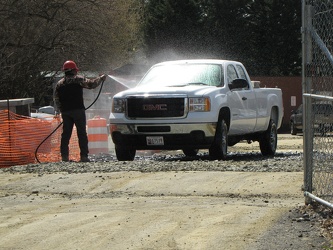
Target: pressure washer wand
[99,93]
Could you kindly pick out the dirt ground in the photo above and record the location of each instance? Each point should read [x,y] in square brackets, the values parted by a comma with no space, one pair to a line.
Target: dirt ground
[156,210]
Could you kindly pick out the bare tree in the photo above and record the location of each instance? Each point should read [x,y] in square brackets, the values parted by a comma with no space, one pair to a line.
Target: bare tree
[126,30]
[37,36]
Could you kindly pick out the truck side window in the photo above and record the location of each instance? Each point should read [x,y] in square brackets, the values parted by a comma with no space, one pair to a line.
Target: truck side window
[242,73]
[232,73]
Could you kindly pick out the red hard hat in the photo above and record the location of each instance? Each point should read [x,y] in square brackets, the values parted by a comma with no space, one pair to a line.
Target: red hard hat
[69,65]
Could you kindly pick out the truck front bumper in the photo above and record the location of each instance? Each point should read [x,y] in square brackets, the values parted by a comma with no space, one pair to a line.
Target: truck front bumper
[174,136]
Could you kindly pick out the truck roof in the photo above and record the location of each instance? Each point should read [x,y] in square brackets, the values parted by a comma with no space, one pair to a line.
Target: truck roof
[217,61]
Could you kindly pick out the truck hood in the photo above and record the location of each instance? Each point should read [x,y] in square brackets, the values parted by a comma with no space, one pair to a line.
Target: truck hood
[189,90]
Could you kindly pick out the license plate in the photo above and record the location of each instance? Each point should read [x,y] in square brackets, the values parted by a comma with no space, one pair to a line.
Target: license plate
[155,140]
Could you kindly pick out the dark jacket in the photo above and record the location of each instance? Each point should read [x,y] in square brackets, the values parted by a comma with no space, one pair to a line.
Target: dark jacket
[69,92]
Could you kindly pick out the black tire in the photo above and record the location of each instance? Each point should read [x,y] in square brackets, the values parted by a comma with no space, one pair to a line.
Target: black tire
[124,153]
[293,129]
[219,148]
[190,152]
[268,142]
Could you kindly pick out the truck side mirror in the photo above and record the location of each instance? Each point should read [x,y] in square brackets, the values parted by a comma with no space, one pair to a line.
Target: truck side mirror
[238,84]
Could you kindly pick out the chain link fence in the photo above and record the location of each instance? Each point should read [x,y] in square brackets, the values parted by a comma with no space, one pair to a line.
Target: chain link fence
[317,84]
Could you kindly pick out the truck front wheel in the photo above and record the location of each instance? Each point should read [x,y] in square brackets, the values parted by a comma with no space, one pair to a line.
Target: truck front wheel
[268,142]
[218,150]
[124,153]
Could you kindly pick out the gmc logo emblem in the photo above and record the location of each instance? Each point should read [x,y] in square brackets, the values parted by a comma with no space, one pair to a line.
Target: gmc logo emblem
[152,107]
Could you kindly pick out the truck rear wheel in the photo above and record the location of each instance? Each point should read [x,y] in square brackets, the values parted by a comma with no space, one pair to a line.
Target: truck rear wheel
[268,142]
[124,153]
[218,150]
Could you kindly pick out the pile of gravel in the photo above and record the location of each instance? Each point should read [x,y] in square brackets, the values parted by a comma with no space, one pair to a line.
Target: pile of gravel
[244,162]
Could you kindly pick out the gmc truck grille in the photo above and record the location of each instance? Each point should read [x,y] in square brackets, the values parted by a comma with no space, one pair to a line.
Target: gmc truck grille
[149,107]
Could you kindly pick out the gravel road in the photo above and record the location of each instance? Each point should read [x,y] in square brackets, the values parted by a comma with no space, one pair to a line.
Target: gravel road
[162,200]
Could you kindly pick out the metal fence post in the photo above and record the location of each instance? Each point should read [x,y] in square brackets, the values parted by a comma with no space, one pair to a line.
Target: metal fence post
[307,11]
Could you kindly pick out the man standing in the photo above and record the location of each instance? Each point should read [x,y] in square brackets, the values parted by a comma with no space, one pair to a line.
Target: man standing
[69,101]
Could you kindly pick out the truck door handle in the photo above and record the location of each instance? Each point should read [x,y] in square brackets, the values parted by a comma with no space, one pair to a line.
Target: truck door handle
[244,98]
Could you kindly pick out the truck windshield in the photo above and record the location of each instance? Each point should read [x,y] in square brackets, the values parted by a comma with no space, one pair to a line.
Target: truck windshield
[184,74]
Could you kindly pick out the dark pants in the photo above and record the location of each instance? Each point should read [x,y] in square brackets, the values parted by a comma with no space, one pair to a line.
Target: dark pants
[69,118]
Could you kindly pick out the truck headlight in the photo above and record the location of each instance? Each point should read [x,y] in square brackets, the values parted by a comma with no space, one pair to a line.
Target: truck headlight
[118,105]
[199,104]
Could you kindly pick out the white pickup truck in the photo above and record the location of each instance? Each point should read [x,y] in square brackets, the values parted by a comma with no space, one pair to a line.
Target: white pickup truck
[195,104]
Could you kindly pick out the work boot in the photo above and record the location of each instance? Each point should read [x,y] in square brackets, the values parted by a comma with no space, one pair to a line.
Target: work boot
[64,158]
[84,159]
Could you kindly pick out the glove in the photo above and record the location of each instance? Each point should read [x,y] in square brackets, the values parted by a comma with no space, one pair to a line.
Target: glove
[103,77]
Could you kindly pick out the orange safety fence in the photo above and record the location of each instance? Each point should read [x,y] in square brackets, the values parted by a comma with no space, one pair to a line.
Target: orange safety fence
[20,136]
